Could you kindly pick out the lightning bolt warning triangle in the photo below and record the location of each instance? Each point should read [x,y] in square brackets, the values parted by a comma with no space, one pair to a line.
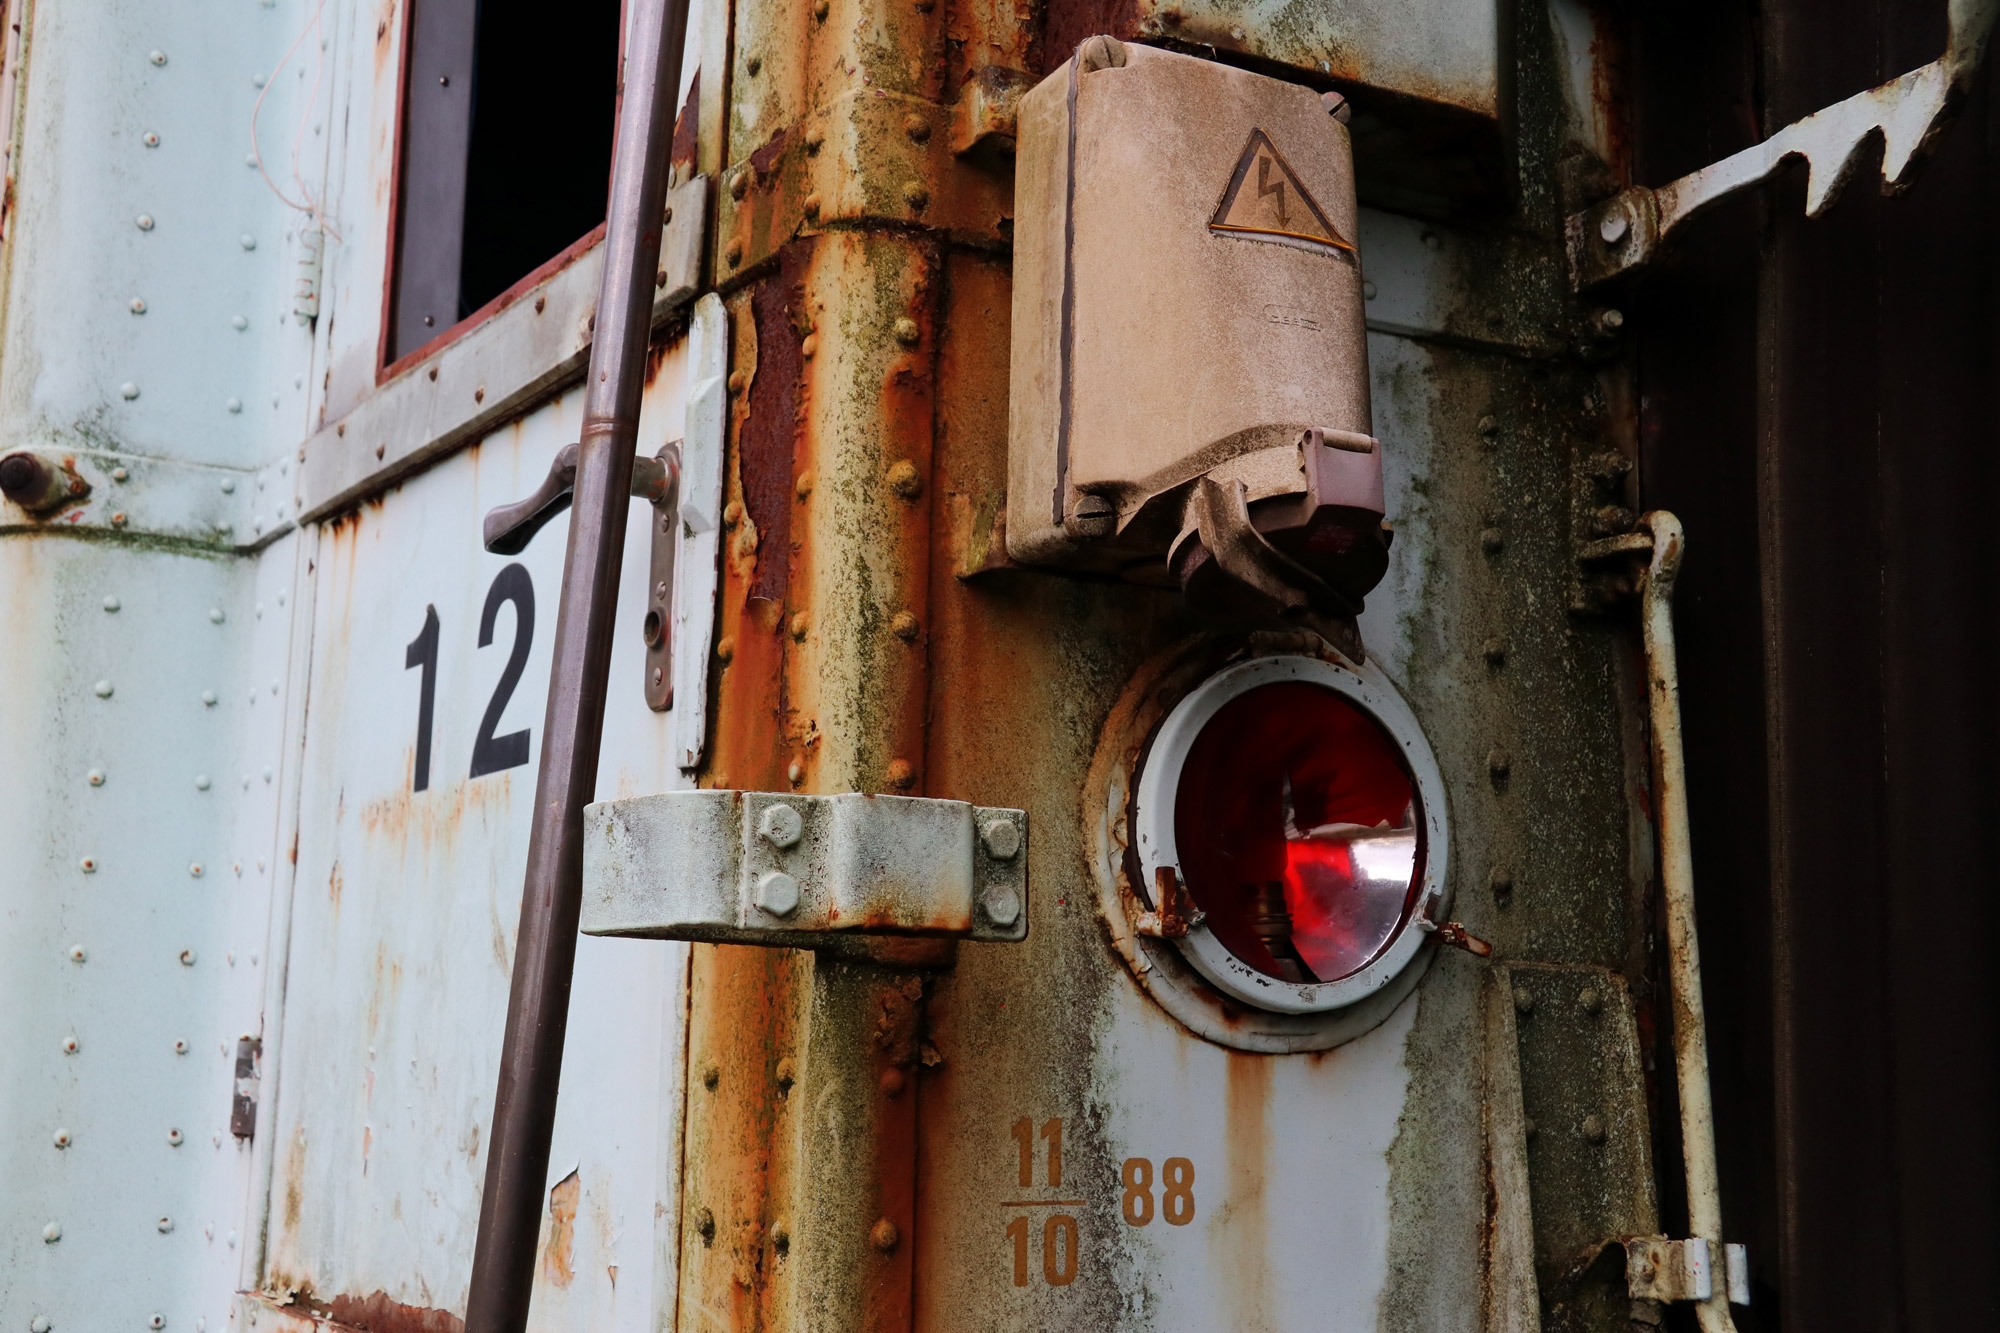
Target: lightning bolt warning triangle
[1265,198]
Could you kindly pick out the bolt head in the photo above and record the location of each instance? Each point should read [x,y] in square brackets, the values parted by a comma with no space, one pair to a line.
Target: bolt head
[1002,905]
[1002,838]
[1614,225]
[780,825]
[778,894]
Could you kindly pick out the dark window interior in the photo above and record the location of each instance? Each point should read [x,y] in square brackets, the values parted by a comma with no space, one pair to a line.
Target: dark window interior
[506,143]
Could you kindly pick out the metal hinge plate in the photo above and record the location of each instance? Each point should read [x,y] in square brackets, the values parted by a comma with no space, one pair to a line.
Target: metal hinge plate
[772,868]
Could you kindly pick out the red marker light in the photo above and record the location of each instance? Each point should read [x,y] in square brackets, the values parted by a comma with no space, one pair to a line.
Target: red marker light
[1298,832]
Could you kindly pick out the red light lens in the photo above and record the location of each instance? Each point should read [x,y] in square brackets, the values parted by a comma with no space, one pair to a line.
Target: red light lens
[1298,832]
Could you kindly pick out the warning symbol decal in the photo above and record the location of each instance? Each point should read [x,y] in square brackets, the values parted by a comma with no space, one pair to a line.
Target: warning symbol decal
[1265,198]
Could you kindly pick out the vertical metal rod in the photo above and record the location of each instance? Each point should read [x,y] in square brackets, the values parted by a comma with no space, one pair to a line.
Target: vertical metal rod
[1677,886]
[524,1104]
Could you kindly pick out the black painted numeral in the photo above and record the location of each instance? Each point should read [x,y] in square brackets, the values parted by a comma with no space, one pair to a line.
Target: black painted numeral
[490,753]
[423,652]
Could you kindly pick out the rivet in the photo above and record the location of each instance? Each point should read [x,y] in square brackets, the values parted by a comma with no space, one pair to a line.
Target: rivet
[1592,1002]
[128,391]
[247,241]
[904,627]
[76,953]
[1492,540]
[234,404]
[229,483]
[803,485]
[61,1138]
[138,305]
[150,139]
[208,698]
[915,195]
[51,1234]
[753,64]
[907,332]
[165,1224]
[1523,1001]
[239,323]
[174,1138]
[119,474]
[479,394]
[215,615]
[96,779]
[250,159]
[725,648]
[194,869]
[809,346]
[118,518]
[180,1048]
[904,481]
[144,221]
[884,1236]
[801,622]
[704,1226]
[39,1324]
[88,865]
[796,773]
[1002,838]
[815,137]
[736,382]
[256,80]
[380,449]
[1593,1129]
[820,8]
[1496,652]
[267,775]
[811,205]
[900,774]
[1500,881]
[733,252]
[893,1083]
[71,1045]
[1488,427]
[788,1074]
[187,957]
[112,603]
[781,1239]
[103,688]
[710,1077]
[916,127]
[1499,764]
[1367,291]
[780,826]
[158,57]
[201,782]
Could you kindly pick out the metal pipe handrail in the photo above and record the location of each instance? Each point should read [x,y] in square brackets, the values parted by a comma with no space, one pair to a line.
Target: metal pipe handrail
[1663,692]
[524,1103]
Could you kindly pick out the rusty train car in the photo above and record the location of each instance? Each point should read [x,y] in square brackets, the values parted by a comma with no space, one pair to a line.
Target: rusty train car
[911,666]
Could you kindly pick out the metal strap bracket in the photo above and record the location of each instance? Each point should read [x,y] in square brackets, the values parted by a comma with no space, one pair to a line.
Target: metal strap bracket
[798,871]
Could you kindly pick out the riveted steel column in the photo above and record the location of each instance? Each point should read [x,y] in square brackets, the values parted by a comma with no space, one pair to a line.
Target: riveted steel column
[524,1103]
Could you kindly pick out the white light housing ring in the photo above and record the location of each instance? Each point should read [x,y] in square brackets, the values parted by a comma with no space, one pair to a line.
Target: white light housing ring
[1155,842]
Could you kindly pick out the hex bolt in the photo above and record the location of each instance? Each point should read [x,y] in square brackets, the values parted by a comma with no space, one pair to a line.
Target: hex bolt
[1593,1129]
[1524,1000]
[1496,652]
[780,825]
[1002,838]
[884,1236]
[778,894]
[1002,905]
[1592,1002]
[904,480]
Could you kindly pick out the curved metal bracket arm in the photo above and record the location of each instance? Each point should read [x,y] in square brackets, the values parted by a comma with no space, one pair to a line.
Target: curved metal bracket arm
[1624,232]
[509,528]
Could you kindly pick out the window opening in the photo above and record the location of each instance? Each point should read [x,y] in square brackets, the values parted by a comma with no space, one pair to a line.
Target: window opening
[508,120]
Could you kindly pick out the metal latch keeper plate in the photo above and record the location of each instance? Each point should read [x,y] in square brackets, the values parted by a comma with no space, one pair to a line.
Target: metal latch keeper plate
[773,868]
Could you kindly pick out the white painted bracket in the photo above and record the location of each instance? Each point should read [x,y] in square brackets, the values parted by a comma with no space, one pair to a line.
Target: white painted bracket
[797,871]
[702,439]
[1684,1270]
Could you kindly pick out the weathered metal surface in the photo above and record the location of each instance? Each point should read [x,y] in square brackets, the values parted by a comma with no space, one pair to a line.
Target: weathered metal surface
[792,870]
[1908,114]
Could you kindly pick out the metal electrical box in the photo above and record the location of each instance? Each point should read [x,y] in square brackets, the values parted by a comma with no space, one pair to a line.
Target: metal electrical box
[1190,373]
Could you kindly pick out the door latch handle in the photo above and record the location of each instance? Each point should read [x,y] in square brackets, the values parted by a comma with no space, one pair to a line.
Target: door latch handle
[509,528]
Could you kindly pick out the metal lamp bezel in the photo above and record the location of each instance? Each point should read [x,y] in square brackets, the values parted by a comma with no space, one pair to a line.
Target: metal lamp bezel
[1155,843]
